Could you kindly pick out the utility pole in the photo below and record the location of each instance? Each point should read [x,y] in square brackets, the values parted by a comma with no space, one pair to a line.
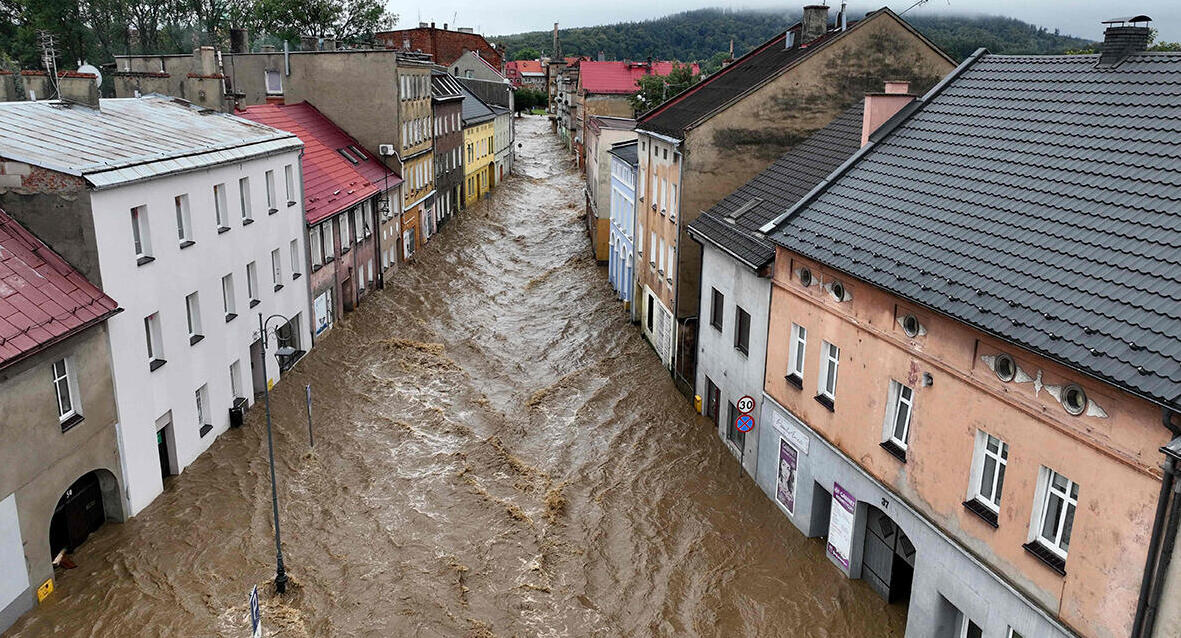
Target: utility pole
[46,41]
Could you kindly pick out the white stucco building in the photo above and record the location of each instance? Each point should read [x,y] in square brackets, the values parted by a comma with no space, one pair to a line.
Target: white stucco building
[193,221]
[736,263]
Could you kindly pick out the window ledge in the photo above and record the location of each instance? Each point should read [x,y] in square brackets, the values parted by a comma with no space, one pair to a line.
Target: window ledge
[330,258]
[1047,556]
[345,250]
[296,275]
[71,421]
[826,402]
[290,203]
[317,267]
[716,326]
[255,302]
[222,229]
[195,339]
[278,287]
[146,259]
[983,511]
[230,317]
[186,243]
[154,364]
[895,450]
[272,211]
[206,429]
[795,380]
[745,351]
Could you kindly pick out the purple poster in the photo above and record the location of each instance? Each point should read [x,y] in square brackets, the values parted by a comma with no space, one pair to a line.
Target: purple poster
[840,525]
[785,487]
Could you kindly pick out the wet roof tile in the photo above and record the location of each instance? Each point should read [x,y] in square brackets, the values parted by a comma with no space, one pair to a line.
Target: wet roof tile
[1035,198]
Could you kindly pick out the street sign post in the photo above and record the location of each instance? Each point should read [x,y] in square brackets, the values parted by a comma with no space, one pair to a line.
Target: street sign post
[255,614]
[745,405]
[744,423]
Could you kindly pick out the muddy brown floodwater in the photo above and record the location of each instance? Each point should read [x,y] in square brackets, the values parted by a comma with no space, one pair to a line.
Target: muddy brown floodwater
[498,453]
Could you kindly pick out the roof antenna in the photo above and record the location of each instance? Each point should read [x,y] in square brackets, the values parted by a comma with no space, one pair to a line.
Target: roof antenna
[46,41]
[916,4]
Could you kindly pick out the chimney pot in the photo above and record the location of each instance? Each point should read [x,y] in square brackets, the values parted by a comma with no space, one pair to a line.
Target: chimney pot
[239,41]
[814,23]
[880,107]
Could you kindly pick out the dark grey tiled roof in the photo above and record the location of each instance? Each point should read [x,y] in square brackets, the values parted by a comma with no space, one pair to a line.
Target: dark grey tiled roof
[1035,198]
[777,189]
[474,109]
[627,152]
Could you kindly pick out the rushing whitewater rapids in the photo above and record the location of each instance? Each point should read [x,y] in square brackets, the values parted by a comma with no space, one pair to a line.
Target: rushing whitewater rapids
[498,453]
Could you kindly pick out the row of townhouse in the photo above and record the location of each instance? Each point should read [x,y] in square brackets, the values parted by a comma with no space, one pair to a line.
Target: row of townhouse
[954,317]
[113,210]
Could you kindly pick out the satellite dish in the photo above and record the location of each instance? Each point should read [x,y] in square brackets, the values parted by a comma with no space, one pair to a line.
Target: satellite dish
[90,68]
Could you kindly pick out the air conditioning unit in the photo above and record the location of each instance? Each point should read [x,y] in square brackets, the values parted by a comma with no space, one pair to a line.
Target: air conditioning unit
[385,149]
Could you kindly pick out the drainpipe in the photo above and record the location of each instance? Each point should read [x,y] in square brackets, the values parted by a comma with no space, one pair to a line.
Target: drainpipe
[1164,536]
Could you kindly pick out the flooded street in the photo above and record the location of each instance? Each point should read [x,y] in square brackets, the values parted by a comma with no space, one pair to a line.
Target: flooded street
[498,453]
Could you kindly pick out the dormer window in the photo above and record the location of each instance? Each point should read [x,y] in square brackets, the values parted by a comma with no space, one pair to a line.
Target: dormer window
[1074,399]
[1004,367]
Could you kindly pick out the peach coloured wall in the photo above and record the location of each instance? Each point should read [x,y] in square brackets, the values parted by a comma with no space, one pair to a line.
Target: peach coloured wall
[1114,459]
[653,168]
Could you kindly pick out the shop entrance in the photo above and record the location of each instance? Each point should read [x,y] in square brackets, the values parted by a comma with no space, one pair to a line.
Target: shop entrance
[888,561]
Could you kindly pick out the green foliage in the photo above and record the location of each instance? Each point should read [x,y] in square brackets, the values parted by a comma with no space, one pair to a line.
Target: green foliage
[525,53]
[655,89]
[698,36]
[714,63]
[528,99]
[97,30]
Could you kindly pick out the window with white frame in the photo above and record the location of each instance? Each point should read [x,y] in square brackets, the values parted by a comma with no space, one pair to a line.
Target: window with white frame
[899,408]
[227,296]
[155,340]
[221,208]
[1054,515]
[236,379]
[274,81]
[184,222]
[193,316]
[65,386]
[358,227]
[140,236]
[289,172]
[244,200]
[329,242]
[272,206]
[346,237]
[988,470]
[314,247]
[252,283]
[797,351]
[830,357]
[277,269]
[202,398]
[295,259]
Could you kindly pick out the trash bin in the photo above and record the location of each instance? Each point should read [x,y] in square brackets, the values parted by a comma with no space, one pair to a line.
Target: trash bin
[238,412]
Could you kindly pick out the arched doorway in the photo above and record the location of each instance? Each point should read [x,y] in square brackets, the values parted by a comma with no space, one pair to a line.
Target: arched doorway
[888,561]
[82,509]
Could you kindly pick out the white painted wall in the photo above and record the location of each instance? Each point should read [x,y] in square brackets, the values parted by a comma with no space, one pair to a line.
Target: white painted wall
[662,336]
[14,576]
[143,396]
[736,374]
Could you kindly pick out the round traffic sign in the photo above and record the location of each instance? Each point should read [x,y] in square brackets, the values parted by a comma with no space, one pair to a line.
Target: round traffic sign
[744,423]
[745,405]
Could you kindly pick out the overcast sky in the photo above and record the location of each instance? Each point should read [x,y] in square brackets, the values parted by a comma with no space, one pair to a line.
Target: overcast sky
[1075,17]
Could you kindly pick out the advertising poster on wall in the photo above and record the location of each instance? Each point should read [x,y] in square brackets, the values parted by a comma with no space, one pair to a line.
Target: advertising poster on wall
[840,525]
[785,486]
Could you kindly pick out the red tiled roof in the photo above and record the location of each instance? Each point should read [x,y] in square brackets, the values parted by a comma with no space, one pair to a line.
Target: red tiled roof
[42,298]
[331,183]
[527,66]
[619,77]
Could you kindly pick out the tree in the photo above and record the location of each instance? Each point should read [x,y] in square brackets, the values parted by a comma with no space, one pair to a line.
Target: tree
[525,53]
[527,99]
[350,20]
[714,63]
[655,89]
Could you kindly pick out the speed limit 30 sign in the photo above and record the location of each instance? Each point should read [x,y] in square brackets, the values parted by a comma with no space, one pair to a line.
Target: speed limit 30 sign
[745,405]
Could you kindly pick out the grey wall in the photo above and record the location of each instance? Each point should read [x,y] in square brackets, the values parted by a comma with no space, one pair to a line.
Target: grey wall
[497,92]
[61,220]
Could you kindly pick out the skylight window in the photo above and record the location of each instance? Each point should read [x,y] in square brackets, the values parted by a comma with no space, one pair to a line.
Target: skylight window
[345,153]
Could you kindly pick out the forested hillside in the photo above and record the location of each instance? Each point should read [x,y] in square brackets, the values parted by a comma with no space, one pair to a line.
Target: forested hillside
[702,34]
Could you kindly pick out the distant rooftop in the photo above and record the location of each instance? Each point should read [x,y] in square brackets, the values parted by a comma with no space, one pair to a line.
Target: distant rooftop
[620,77]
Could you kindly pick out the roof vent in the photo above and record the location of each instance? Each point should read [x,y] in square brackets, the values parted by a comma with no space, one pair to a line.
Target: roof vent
[734,216]
[1123,37]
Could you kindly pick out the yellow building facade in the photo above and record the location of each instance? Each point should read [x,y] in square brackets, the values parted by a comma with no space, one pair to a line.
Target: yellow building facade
[478,157]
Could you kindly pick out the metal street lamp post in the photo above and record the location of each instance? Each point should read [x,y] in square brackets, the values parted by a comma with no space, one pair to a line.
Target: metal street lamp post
[280,572]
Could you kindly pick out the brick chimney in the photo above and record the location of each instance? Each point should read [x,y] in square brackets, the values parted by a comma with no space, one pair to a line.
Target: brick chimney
[814,24]
[1123,38]
[880,107]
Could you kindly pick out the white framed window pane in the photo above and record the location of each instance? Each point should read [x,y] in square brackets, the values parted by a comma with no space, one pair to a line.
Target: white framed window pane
[270,176]
[193,314]
[289,170]
[276,268]
[252,281]
[220,206]
[244,197]
[184,228]
[61,386]
[227,293]
[295,257]
[799,342]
